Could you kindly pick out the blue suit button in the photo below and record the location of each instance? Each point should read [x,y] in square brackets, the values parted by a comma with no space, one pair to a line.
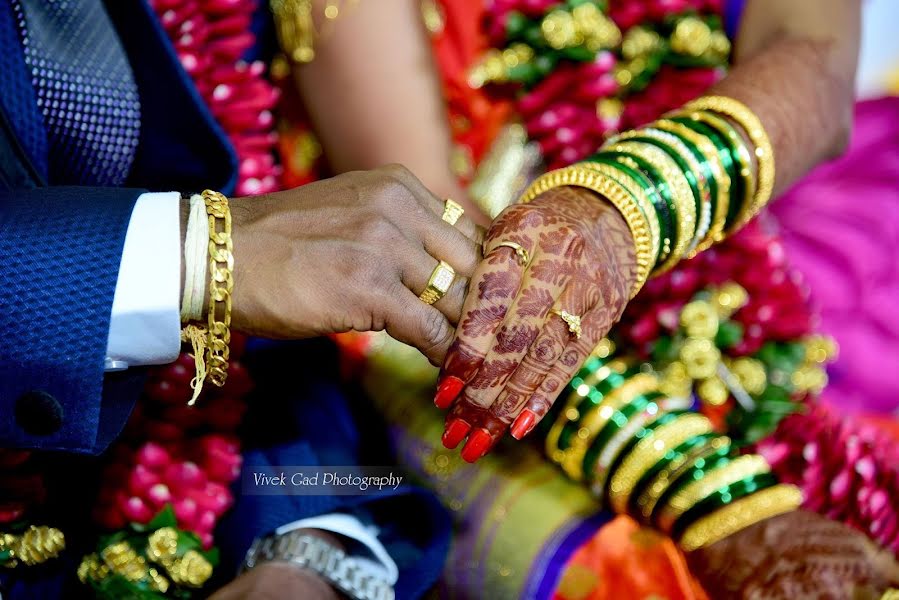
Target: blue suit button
[38,413]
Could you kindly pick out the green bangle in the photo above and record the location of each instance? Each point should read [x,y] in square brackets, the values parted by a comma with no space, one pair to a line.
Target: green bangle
[740,156]
[715,460]
[737,195]
[663,200]
[595,370]
[674,455]
[675,148]
[723,497]
[616,423]
[594,398]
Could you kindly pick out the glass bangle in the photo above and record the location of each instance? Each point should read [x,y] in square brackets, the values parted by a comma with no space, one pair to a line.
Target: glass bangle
[722,497]
[664,205]
[737,194]
[715,460]
[598,390]
[569,411]
[673,456]
[741,157]
[719,179]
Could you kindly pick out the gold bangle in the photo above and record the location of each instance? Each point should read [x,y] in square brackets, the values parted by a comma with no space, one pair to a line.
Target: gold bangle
[719,173]
[738,515]
[594,421]
[737,469]
[656,488]
[682,194]
[764,152]
[648,452]
[570,413]
[611,190]
[637,192]
[704,216]
[221,284]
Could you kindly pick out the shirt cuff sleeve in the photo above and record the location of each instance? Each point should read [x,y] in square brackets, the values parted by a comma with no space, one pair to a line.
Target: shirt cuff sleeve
[145,328]
[378,563]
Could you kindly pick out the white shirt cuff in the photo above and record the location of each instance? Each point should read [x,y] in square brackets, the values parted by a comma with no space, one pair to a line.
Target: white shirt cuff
[380,564]
[145,328]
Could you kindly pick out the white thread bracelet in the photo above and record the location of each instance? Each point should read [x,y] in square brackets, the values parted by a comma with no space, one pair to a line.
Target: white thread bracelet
[196,261]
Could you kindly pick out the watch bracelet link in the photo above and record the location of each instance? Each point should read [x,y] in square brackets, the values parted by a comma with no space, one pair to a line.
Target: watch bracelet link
[313,553]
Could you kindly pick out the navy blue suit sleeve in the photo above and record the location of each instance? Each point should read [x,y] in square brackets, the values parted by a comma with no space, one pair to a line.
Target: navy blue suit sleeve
[60,250]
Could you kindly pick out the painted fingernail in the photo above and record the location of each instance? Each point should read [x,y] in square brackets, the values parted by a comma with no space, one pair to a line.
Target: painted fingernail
[456,430]
[477,446]
[447,390]
[523,424]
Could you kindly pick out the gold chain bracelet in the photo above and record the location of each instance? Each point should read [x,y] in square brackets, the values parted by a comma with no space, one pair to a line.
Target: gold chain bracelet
[637,221]
[221,284]
[736,516]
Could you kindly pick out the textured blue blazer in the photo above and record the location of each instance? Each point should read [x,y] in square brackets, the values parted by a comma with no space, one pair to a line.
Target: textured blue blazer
[60,247]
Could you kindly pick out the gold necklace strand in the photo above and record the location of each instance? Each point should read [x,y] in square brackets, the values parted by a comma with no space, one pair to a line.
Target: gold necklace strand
[681,193]
[637,192]
[609,189]
[648,452]
[656,488]
[737,469]
[295,25]
[742,158]
[764,151]
[570,413]
[221,285]
[594,421]
[719,173]
[738,515]
[609,454]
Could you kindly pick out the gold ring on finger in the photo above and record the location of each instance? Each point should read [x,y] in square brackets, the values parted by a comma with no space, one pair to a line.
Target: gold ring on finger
[520,251]
[452,211]
[439,283]
[573,322]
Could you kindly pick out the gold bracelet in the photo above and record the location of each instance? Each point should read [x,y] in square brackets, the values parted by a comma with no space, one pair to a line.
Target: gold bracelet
[648,452]
[221,284]
[656,488]
[736,516]
[764,152]
[737,469]
[681,193]
[594,421]
[719,173]
[570,413]
[637,192]
[636,220]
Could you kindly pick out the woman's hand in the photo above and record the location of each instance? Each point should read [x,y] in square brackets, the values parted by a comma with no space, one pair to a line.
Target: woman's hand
[795,555]
[350,253]
[512,353]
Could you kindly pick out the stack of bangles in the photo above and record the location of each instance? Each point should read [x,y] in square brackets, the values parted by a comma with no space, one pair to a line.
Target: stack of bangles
[209,268]
[681,183]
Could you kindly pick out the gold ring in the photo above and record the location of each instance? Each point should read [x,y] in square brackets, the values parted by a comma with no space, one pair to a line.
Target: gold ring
[441,279]
[573,322]
[452,211]
[520,251]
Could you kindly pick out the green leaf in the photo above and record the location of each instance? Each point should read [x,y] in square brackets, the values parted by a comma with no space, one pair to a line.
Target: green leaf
[164,518]
[579,54]
[516,23]
[730,333]
[116,587]
[187,540]
[212,555]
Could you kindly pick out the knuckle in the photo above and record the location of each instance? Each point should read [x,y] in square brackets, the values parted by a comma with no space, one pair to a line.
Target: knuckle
[435,331]
[378,230]
[547,349]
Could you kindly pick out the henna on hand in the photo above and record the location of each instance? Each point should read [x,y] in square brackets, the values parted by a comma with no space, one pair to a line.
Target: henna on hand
[512,354]
[795,555]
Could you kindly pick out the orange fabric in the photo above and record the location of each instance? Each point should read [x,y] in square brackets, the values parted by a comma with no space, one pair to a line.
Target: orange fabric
[624,561]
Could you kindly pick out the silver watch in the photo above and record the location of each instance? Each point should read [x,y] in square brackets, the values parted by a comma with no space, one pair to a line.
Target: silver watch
[309,552]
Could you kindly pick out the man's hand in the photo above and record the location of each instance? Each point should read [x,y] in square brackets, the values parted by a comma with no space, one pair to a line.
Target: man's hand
[350,253]
[796,555]
[277,581]
[513,353]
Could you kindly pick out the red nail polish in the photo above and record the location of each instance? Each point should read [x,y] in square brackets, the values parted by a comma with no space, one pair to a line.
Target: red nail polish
[456,430]
[524,424]
[478,444]
[447,390]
